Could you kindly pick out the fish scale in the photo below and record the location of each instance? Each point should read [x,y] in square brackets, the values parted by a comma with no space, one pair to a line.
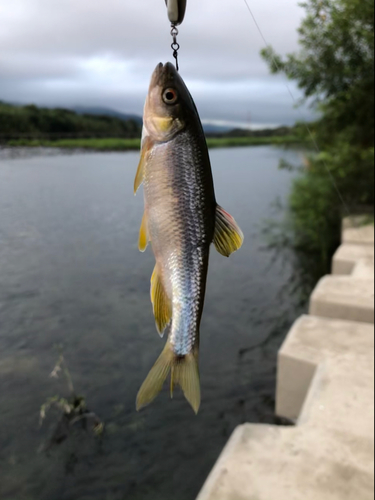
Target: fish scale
[187,230]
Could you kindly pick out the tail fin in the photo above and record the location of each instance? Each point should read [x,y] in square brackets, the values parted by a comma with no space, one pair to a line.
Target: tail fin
[185,373]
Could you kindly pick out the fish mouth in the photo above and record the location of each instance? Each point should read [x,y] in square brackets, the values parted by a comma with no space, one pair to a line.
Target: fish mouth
[164,75]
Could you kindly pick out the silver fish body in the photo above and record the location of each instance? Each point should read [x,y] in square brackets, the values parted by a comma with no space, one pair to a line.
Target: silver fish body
[181,220]
[180,206]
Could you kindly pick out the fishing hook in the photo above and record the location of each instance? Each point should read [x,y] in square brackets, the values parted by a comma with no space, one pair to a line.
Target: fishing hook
[175,45]
[176,14]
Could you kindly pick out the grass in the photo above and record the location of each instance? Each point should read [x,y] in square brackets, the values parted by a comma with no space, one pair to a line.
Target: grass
[134,144]
[368,220]
[95,144]
[233,142]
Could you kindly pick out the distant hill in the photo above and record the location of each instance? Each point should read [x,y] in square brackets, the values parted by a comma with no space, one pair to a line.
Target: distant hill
[215,129]
[98,111]
[208,128]
[34,122]
[89,122]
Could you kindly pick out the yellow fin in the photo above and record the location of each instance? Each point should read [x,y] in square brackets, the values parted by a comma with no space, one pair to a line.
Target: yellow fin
[145,151]
[156,378]
[185,373]
[160,301]
[228,236]
[143,234]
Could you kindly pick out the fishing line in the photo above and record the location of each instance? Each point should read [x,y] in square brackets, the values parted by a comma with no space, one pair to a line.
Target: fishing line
[313,140]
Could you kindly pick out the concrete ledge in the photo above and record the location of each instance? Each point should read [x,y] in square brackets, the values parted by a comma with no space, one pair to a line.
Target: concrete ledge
[364,269]
[330,454]
[311,341]
[355,232]
[246,463]
[325,384]
[347,257]
[342,297]
[295,373]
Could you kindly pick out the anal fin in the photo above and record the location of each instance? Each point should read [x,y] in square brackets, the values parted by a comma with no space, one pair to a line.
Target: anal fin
[143,234]
[160,301]
[228,236]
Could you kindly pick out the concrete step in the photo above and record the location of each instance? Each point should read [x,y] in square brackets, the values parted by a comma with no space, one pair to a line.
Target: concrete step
[355,231]
[344,297]
[347,257]
[329,455]
[364,269]
[309,343]
[325,384]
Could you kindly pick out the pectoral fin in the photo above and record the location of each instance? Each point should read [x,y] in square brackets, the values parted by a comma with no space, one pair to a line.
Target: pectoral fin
[143,234]
[228,236]
[160,301]
[145,152]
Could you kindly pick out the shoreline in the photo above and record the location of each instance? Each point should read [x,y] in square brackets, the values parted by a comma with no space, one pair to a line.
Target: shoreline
[109,144]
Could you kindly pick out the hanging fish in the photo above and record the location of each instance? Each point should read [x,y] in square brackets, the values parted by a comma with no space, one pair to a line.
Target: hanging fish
[181,220]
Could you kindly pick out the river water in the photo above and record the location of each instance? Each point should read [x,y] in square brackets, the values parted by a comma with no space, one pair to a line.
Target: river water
[72,281]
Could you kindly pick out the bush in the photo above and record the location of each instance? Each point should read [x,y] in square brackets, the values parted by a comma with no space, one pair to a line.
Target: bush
[335,67]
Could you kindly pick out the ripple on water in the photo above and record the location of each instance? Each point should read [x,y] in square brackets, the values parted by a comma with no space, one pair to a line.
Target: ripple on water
[78,281]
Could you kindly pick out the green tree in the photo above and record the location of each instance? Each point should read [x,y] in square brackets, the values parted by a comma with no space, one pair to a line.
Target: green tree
[55,123]
[335,69]
[335,66]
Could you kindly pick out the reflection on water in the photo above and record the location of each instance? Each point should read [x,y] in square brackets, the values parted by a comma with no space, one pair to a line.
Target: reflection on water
[71,275]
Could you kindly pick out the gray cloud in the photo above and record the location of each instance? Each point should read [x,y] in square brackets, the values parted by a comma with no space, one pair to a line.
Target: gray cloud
[92,52]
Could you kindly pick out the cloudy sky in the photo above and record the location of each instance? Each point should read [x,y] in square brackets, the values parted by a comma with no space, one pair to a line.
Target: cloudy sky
[102,53]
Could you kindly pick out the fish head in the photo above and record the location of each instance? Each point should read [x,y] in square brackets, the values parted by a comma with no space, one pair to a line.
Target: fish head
[168,104]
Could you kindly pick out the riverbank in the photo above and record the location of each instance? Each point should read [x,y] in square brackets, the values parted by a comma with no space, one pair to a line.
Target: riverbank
[325,384]
[114,144]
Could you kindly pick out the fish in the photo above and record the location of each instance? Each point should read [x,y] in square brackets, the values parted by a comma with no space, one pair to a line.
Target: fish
[181,220]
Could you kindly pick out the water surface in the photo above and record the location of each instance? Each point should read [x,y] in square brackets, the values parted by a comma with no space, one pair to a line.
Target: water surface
[71,275]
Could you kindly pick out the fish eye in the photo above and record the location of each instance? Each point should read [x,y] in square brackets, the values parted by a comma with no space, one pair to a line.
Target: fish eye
[170,96]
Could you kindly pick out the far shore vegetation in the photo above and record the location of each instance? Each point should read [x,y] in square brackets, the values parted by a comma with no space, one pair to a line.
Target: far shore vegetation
[119,144]
[32,122]
[31,126]
[335,69]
